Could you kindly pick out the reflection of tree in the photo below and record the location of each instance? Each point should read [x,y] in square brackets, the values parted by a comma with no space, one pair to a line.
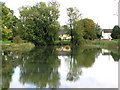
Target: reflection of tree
[40,67]
[7,69]
[81,57]
[115,53]
[115,56]
[10,59]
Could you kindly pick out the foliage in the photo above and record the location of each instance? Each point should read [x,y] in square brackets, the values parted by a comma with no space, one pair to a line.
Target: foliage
[74,15]
[20,29]
[66,28]
[98,31]
[8,22]
[88,27]
[116,32]
[6,34]
[78,33]
[39,24]
[17,39]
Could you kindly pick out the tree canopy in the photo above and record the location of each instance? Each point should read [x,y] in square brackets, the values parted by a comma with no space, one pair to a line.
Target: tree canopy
[74,16]
[98,31]
[39,24]
[116,32]
[79,28]
[8,22]
[88,27]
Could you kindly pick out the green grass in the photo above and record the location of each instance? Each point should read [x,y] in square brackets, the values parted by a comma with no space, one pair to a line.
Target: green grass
[5,42]
[20,46]
[104,43]
[67,41]
[116,39]
[8,42]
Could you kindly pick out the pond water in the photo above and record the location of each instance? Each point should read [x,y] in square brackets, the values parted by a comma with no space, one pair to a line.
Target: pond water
[61,67]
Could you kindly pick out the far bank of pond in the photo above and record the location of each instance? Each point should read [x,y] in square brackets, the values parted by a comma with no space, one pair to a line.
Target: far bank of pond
[104,43]
[101,43]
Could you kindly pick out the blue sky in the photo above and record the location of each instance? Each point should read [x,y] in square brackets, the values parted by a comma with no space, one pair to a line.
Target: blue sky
[100,11]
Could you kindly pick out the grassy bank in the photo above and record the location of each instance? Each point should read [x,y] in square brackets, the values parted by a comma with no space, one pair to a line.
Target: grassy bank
[65,42]
[8,45]
[103,43]
[14,46]
[5,42]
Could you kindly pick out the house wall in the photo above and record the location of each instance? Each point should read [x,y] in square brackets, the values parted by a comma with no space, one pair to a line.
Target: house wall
[65,37]
[106,35]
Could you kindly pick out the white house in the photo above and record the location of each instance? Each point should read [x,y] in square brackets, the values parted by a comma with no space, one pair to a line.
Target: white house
[106,34]
[64,36]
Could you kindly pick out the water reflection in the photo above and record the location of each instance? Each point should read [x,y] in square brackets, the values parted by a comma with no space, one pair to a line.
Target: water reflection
[45,67]
[41,69]
[80,57]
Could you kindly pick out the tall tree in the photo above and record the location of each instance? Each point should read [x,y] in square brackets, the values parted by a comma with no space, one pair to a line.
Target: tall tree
[8,22]
[98,31]
[74,16]
[88,28]
[39,23]
[78,33]
[65,28]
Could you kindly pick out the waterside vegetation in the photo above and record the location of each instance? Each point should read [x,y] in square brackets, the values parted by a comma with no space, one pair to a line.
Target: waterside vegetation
[104,43]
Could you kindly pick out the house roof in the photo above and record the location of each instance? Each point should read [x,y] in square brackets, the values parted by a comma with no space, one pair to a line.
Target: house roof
[63,32]
[107,30]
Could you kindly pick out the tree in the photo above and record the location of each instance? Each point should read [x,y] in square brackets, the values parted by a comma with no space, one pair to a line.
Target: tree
[39,23]
[98,31]
[78,33]
[66,29]
[88,27]
[74,16]
[8,22]
[116,32]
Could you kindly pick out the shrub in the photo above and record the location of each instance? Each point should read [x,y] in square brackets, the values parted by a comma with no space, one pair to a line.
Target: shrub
[59,38]
[17,39]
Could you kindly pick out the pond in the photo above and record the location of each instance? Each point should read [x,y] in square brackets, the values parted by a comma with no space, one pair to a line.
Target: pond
[60,67]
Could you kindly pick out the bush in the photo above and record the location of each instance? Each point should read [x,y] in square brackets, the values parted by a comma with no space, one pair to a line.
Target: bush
[59,38]
[17,39]
[116,32]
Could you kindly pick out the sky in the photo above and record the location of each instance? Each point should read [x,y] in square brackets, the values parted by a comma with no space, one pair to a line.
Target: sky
[102,12]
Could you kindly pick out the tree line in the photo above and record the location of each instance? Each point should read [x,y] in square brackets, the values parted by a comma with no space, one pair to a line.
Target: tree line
[39,24]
